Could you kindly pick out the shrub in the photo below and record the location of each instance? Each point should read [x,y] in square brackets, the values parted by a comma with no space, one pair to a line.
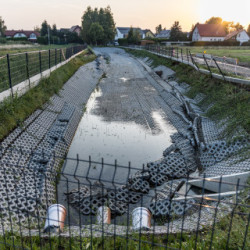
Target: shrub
[246,43]
[123,41]
[215,43]
[42,40]
[2,40]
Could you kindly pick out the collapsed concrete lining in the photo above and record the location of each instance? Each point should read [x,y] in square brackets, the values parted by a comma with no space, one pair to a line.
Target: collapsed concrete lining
[61,116]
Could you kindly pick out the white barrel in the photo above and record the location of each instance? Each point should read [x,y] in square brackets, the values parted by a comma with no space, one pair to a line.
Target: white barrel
[103,215]
[141,218]
[56,215]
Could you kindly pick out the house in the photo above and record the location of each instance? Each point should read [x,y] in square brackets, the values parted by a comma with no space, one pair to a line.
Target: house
[77,29]
[238,35]
[148,33]
[209,32]
[122,32]
[30,35]
[164,34]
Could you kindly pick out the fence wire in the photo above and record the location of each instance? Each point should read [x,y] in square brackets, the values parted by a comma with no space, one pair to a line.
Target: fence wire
[228,69]
[123,205]
[16,68]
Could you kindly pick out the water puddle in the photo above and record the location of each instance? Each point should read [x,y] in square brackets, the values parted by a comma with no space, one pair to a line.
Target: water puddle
[126,142]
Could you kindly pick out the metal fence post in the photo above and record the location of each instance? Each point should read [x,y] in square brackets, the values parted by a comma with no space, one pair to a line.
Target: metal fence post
[181,56]
[194,63]
[40,62]
[207,64]
[60,55]
[27,67]
[187,55]
[219,69]
[55,56]
[9,74]
[49,58]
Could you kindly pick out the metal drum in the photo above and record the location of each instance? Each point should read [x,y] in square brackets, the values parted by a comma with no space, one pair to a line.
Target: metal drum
[141,218]
[103,215]
[56,215]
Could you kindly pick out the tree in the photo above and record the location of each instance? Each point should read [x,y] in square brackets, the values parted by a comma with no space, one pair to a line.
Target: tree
[214,20]
[37,29]
[44,28]
[248,29]
[54,30]
[158,29]
[191,32]
[176,32]
[238,26]
[134,35]
[96,33]
[2,27]
[218,20]
[104,18]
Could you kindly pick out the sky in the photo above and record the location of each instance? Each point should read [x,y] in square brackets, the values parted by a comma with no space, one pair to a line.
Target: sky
[26,14]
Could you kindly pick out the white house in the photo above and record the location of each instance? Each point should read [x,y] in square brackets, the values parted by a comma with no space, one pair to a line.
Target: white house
[30,35]
[209,32]
[238,35]
[122,32]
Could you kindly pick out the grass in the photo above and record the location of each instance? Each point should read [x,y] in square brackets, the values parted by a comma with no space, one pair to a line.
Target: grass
[240,53]
[228,233]
[14,111]
[31,47]
[20,70]
[231,103]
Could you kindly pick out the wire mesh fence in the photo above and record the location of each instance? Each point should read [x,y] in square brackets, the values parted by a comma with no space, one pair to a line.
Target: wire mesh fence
[227,68]
[16,68]
[47,200]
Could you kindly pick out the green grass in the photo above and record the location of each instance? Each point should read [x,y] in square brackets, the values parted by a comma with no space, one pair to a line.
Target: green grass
[4,51]
[241,53]
[20,70]
[14,111]
[230,101]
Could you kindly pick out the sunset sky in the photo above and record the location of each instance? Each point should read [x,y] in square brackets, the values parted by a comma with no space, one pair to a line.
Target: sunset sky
[25,14]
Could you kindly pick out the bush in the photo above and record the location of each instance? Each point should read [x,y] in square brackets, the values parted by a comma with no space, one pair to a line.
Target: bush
[123,41]
[246,43]
[3,40]
[42,40]
[214,43]
[18,39]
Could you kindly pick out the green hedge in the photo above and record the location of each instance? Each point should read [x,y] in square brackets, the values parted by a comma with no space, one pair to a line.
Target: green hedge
[123,41]
[18,39]
[3,40]
[246,43]
[214,43]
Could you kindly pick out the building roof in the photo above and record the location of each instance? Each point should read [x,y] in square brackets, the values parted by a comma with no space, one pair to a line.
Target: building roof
[232,34]
[26,32]
[125,30]
[211,30]
[73,28]
[164,34]
[146,31]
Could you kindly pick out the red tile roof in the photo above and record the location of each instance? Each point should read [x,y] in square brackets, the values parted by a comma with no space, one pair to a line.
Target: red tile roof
[211,30]
[26,32]
[232,34]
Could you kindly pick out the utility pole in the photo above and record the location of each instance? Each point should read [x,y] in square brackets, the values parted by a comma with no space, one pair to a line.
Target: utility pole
[48,36]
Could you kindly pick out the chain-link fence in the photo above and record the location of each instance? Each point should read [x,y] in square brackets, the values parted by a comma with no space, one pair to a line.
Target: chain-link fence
[221,68]
[96,205]
[16,68]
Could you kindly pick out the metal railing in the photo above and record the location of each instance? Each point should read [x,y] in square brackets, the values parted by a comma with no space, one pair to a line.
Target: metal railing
[16,68]
[206,64]
[111,206]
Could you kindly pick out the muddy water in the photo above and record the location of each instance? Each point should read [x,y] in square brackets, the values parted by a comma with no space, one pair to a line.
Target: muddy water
[122,141]
[123,121]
